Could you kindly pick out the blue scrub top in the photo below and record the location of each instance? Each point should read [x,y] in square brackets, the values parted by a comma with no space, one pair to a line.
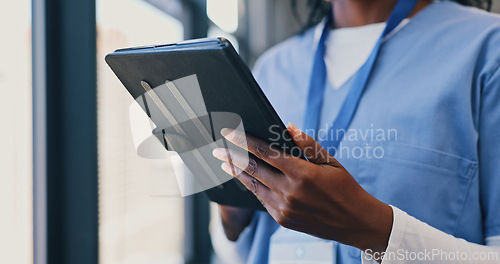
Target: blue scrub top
[431,107]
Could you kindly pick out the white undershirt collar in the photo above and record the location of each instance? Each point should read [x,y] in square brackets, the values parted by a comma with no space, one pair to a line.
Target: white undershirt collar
[348,48]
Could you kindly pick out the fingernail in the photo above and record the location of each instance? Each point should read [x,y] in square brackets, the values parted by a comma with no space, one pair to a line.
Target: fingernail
[231,170]
[219,153]
[226,132]
[226,167]
[292,127]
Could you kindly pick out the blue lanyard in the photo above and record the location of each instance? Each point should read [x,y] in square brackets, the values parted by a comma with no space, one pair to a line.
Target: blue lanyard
[318,81]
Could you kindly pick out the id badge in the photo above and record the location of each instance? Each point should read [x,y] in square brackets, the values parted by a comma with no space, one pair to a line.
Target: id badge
[292,247]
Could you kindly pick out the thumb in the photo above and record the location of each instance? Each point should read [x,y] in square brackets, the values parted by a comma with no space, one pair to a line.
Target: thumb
[312,150]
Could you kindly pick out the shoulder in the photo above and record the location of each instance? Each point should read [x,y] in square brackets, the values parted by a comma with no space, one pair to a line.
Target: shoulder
[284,57]
[470,29]
[464,23]
[457,13]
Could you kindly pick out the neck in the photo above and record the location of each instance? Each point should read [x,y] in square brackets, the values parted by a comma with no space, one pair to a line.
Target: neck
[355,13]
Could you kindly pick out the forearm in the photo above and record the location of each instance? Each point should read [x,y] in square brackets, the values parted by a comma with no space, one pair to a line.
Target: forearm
[234,220]
[413,241]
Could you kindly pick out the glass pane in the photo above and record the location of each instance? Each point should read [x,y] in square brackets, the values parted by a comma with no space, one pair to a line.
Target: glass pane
[224,13]
[140,219]
[15,133]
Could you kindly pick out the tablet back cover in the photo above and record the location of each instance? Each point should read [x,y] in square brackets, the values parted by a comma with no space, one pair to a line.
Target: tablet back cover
[227,87]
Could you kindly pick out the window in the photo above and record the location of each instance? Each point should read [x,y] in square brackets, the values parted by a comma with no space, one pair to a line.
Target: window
[15,135]
[140,209]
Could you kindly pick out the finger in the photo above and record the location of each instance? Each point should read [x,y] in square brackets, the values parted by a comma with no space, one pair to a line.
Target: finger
[286,163]
[266,174]
[265,195]
[313,151]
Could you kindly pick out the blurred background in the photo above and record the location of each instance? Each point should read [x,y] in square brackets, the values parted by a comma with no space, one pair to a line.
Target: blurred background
[72,189]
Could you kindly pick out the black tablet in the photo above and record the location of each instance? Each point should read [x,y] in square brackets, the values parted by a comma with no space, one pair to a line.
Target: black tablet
[191,90]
